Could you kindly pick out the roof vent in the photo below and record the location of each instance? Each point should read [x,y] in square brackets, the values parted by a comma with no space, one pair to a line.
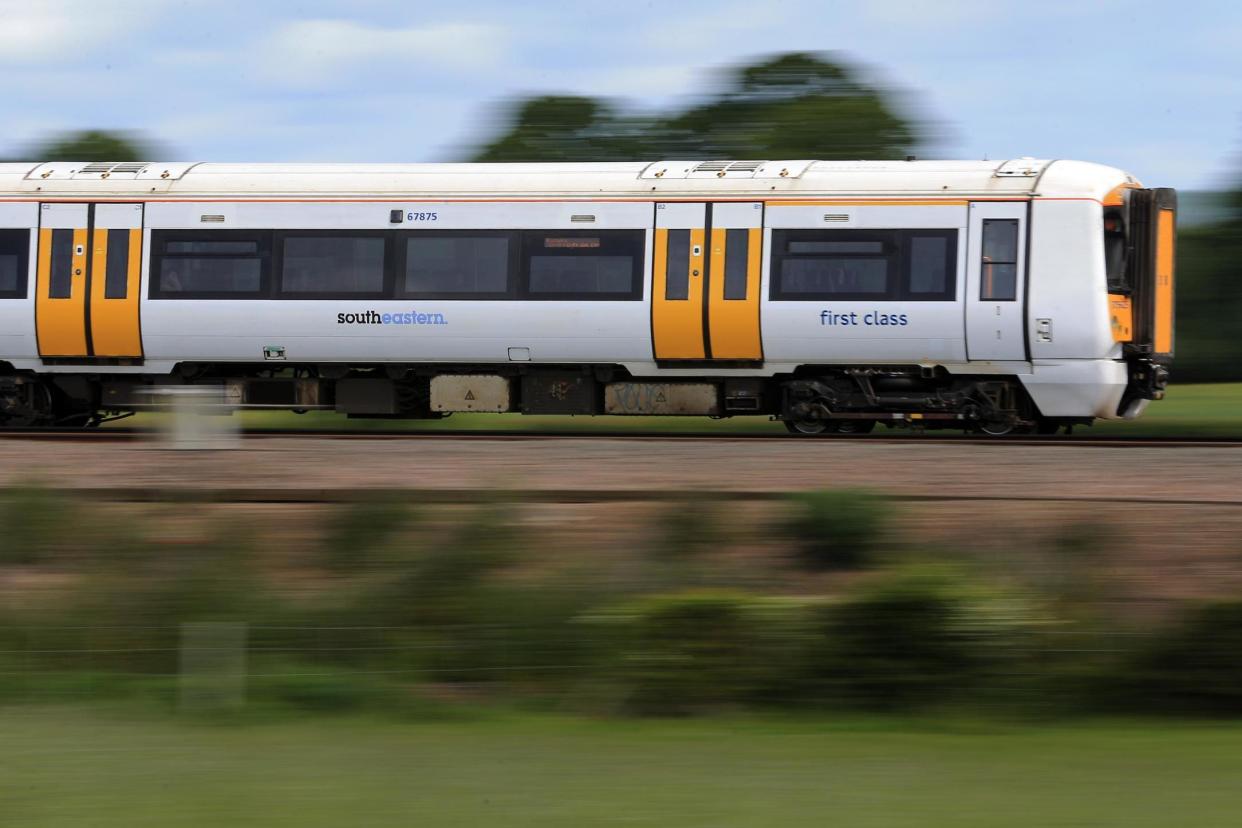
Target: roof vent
[1020,168]
[726,169]
[108,170]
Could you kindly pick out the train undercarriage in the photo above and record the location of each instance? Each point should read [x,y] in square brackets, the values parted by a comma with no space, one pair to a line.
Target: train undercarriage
[815,400]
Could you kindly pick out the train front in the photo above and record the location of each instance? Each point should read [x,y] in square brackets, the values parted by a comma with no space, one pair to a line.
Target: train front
[1139,248]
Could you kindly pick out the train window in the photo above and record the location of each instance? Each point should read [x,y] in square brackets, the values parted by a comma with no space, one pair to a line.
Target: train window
[323,266]
[116,267]
[210,264]
[213,247]
[14,263]
[1115,252]
[838,277]
[830,247]
[465,265]
[677,265]
[870,265]
[999,281]
[60,275]
[835,264]
[209,276]
[931,264]
[590,265]
[737,263]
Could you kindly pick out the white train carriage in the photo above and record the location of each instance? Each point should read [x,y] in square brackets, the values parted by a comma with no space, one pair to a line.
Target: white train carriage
[833,295]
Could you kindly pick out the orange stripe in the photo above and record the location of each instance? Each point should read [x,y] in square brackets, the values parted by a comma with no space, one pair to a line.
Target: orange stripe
[1164,282]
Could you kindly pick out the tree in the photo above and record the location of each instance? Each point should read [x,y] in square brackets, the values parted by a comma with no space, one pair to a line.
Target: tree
[796,105]
[90,145]
[1209,300]
[564,128]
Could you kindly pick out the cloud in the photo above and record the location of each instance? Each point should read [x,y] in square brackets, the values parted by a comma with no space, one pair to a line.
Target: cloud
[46,30]
[317,52]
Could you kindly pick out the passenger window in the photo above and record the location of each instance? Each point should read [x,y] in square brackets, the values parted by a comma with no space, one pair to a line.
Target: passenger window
[60,277]
[116,268]
[584,265]
[834,264]
[188,276]
[999,281]
[677,265]
[333,265]
[210,264]
[737,263]
[213,247]
[14,263]
[457,266]
[932,262]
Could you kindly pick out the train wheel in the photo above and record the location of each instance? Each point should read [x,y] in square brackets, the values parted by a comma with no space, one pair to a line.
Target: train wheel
[812,427]
[25,405]
[806,427]
[997,428]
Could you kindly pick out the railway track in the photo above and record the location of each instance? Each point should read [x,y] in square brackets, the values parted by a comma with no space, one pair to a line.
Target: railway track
[1115,441]
[467,496]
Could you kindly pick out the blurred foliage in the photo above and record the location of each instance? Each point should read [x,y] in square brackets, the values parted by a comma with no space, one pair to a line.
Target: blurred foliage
[913,638]
[33,525]
[91,145]
[796,105]
[686,652]
[471,603]
[836,528]
[357,534]
[1195,666]
[1209,300]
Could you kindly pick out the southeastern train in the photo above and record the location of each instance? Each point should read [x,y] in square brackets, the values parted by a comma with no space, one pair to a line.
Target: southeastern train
[993,296]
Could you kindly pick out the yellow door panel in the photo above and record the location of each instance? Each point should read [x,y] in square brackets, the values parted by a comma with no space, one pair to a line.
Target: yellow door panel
[115,272]
[60,303]
[733,312]
[1164,282]
[677,293]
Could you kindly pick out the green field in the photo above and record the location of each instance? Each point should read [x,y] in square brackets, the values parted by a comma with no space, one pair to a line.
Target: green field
[71,767]
[1188,410]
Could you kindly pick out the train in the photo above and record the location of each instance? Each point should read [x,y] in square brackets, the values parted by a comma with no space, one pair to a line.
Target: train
[995,297]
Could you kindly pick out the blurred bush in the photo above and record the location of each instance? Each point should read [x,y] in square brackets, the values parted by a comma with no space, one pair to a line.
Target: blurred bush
[37,524]
[357,534]
[1194,666]
[685,652]
[913,638]
[835,529]
[471,607]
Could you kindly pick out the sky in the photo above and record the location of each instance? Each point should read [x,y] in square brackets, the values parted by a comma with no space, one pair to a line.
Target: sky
[1152,87]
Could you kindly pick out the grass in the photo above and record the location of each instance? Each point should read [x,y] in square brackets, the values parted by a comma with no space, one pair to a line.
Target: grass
[70,767]
[1188,410]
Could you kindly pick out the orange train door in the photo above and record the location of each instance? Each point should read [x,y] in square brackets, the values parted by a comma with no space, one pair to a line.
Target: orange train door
[705,282]
[90,258]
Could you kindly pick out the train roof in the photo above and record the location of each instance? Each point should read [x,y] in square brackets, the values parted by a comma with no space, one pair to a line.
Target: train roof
[1015,178]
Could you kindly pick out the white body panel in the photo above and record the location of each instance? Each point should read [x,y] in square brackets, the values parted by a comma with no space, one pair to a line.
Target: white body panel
[17,316]
[1077,387]
[994,328]
[798,331]
[1066,288]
